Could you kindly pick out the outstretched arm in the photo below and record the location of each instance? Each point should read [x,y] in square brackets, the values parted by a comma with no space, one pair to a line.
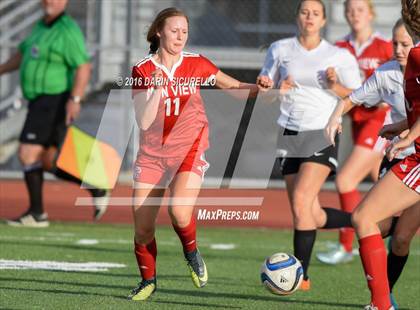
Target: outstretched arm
[225,81]
[334,123]
[392,130]
[407,138]
[334,84]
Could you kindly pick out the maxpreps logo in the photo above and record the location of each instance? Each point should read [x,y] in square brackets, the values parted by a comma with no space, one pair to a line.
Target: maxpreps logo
[227,215]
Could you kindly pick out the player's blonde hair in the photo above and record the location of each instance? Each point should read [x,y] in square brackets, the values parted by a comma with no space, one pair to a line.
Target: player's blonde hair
[411,15]
[368,2]
[157,26]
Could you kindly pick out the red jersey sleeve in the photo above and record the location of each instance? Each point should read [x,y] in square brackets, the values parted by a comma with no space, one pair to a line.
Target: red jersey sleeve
[207,68]
[138,80]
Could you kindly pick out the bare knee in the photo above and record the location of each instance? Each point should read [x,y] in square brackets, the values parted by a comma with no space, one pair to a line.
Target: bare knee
[302,206]
[344,183]
[29,155]
[144,235]
[401,243]
[358,220]
[180,216]
[319,217]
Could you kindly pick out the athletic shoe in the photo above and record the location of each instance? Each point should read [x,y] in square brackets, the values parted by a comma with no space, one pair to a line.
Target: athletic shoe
[372,307]
[197,268]
[336,256]
[30,220]
[100,200]
[393,301]
[305,285]
[143,290]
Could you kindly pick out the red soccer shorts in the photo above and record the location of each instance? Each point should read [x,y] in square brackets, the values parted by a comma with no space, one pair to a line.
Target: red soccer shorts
[161,170]
[408,171]
[365,133]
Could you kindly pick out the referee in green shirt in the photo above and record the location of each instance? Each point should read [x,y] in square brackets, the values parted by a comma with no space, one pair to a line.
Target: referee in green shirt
[54,72]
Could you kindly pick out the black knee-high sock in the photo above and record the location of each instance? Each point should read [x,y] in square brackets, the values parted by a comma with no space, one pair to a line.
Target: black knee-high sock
[303,242]
[337,218]
[34,178]
[59,173]
[395,267]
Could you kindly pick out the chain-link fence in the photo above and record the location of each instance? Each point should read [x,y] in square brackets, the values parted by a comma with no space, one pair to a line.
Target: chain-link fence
[236,23]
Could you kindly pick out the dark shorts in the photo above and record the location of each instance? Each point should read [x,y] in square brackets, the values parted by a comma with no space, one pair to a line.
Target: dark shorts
[45,122]
[386,165]
[327,156]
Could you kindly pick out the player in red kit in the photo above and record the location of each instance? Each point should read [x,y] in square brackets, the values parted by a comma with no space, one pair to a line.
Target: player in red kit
[399,189]
[173,138]
[370,50]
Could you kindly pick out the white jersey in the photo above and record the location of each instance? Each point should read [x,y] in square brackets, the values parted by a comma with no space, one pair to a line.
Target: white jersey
[386,84]
[309,105]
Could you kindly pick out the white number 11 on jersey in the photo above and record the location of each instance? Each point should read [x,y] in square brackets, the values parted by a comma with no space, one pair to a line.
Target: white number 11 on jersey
[167,102]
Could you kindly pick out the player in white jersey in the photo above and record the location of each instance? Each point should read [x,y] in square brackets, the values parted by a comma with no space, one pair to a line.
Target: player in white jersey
[289,62]
[299,67]
[386,85]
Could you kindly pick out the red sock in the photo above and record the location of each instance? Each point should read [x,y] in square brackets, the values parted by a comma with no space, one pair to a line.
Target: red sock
[146,259]
[348,202]
[187,235]
[373,255]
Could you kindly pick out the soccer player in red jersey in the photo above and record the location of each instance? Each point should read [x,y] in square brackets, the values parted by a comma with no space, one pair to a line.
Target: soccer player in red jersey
[173,138]
[399,189]
[370,50]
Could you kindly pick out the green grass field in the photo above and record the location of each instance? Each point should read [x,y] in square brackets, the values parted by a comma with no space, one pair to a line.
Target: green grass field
[233,274]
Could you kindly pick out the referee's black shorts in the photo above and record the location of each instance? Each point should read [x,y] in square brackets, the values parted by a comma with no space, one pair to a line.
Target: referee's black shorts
[45,122]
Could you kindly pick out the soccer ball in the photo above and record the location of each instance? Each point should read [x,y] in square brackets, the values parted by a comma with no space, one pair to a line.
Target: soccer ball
[281,273]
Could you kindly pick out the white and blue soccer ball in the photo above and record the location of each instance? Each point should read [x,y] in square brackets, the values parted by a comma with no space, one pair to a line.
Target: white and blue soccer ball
[281,273]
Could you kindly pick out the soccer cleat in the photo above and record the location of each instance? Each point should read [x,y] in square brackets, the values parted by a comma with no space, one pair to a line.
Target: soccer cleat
[305,285]
[143,290]
[372,307]
[197,268]
[30,220]
[100,200]
[336,256]
[393,301]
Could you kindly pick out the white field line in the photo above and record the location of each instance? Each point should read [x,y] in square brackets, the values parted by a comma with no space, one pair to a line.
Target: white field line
[55,265]
[223,246]
[87,242]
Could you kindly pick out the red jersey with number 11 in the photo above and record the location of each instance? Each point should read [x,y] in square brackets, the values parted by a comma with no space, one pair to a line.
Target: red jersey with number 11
[181,123]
